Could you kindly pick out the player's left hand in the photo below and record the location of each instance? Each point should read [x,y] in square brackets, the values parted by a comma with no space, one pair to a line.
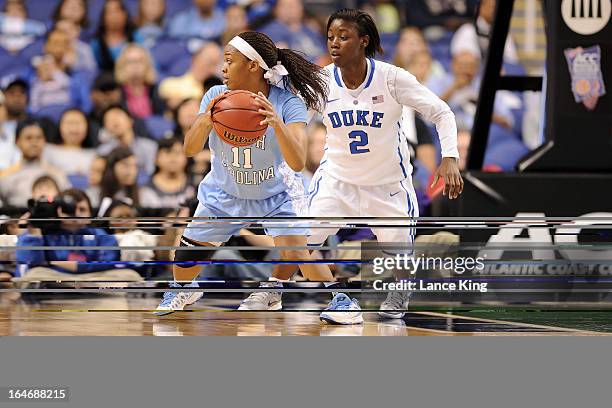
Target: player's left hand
[453,182]
[267,110]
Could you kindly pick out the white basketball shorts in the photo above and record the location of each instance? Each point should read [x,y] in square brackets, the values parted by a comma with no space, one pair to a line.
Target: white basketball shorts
[330,197]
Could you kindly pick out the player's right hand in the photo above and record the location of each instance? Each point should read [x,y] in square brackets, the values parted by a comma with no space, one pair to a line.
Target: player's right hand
[207,115]
[215,100]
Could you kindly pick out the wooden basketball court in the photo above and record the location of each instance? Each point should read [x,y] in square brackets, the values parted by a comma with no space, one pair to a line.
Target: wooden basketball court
[121,315]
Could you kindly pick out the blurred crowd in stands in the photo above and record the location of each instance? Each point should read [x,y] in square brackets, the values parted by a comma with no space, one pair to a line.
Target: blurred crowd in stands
[95,97]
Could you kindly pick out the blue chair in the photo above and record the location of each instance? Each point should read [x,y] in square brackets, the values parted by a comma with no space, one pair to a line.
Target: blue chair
[143,178]
[53,112]
[167,51]
[32,50]
[505,154]
[11,64]
[41,10]
[79,181]
[176,6]
[513,69]
[180,66]
[440,49]
[159,127]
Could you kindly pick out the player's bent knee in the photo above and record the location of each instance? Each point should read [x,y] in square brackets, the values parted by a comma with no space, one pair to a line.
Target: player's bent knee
[186,258]
[295,254]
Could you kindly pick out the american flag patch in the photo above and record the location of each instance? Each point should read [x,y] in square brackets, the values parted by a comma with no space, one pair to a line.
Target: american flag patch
[378,99]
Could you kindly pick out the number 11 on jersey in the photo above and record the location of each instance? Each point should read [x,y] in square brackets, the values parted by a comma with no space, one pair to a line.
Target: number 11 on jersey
[247,158]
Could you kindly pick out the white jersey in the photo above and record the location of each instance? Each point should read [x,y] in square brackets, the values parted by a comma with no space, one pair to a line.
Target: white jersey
[365,142]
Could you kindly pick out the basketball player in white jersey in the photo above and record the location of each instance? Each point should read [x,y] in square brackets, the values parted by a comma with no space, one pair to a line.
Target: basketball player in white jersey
[366,169]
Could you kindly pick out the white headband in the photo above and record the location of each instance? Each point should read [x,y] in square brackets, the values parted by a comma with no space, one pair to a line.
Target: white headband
[274,75]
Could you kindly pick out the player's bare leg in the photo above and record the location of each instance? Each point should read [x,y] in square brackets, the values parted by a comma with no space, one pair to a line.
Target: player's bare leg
[174,300]
[271,300]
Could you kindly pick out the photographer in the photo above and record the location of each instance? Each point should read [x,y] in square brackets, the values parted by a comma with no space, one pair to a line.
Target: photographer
[67,264]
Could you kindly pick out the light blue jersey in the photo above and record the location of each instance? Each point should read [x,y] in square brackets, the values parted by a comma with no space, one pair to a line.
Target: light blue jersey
[258,171]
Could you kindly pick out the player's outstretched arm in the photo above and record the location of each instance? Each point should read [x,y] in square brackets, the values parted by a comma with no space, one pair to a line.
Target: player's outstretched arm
[409,92]
[291,138]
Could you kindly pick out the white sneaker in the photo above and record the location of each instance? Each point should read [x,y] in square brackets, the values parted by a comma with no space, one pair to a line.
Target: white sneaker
[394,305]
[342,310]
[262,301]
[176,301]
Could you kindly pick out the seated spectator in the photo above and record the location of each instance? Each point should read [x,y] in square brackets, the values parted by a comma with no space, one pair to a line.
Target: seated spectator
[54,82]
[16,30]
[206,62]
[16,181]
[94,180]
[135,72]
[50,86]
[474,36]
[289,29]
[169,186]
[115,31]
[119,131]
[184,116]
[74,152]
[45,187]
[150,21]
[236,22]
[445,14]
[412,54]
[74,11]
[79,55]
[106,92]
[125,229]
[10,152]
[120,176]
[460,90]
[74,264]
[16,101]
[203,21]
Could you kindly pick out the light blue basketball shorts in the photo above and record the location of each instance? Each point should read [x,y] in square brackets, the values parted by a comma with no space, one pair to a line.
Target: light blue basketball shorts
[220,204]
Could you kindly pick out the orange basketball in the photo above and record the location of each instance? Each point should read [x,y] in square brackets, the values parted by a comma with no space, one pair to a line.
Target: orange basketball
[236,118]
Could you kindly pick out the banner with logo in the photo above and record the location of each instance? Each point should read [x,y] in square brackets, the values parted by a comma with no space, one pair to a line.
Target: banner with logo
[585,70]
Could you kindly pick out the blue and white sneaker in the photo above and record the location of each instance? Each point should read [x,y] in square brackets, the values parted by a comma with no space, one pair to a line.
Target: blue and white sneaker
[176,301]
[342,310]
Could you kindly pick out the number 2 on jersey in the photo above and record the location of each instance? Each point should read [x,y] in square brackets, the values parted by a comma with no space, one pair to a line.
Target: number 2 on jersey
[236,158]
[361,140]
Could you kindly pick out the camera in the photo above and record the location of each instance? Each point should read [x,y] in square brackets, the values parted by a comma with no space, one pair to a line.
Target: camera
[44,212]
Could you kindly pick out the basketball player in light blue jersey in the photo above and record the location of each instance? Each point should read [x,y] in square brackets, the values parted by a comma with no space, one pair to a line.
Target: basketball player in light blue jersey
[261,180]
[366,170]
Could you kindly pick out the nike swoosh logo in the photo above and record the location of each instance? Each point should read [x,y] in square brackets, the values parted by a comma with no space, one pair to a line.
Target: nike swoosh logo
[394,194]
[333,100]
